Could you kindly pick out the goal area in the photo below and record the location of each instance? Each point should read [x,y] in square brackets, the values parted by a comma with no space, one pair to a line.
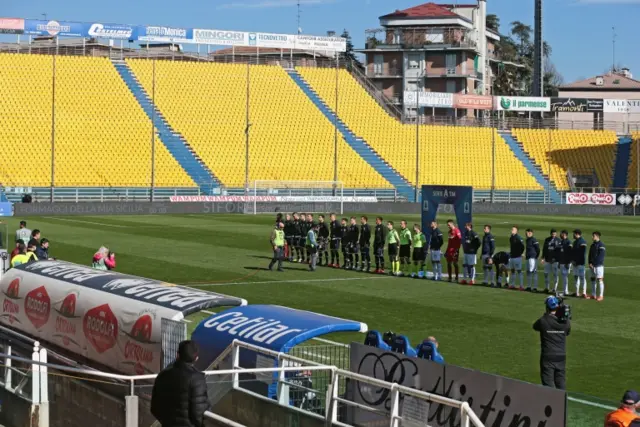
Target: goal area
[301,196]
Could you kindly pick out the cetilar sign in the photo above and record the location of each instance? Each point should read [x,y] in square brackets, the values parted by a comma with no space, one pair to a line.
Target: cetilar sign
[111,31]
[270,326]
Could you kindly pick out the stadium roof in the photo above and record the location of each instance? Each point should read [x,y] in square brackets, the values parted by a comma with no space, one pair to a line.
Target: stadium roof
[611,82]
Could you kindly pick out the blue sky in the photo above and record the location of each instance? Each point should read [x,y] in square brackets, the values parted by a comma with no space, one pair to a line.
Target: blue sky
[580,31]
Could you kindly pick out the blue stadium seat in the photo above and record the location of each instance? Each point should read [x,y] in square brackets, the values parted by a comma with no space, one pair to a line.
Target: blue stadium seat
[401,345]
[374,339]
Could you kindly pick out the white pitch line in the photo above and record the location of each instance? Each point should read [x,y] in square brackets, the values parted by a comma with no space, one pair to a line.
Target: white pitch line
[87,222]
[331,342]
[594,404]
[622,266]
[344,279]
[207,312]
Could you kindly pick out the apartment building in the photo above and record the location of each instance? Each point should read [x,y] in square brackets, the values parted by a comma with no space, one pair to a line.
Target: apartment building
[432,47]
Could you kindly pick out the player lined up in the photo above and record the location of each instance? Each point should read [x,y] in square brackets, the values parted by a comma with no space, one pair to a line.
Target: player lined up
[408,251]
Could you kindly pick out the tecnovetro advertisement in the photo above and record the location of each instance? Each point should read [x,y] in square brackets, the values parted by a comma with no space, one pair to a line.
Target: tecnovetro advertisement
[108,317]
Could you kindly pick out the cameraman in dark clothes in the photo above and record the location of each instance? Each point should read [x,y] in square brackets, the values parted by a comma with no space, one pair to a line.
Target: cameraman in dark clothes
[554,327]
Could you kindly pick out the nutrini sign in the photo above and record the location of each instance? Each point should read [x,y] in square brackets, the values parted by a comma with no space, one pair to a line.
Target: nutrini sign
[522,103]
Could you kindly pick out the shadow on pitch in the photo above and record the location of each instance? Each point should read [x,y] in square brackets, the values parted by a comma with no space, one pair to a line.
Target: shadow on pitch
[285,266]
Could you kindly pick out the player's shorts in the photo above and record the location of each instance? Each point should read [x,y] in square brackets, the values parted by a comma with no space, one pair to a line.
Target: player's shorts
[289,240]
[312,249]
[405,251]
[532,265]
[354,248]
[298,241]
[436,254]
[418,254]
[364,249]
[550,267]
[598,272]
[485,260]
[515,263]
[470,259]
[335,244]
[565,269]
[380,251]
[452,255]
[392,251]
[578,270]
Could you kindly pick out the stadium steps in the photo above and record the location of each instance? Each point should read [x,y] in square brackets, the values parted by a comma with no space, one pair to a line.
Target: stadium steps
[529,164]
[174,141]
[622,162]
[358,144]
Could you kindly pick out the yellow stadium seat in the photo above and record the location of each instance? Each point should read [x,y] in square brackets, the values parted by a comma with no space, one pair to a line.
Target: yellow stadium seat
[102,136]
[632,181]
[290,139]
[448,155]
[581,151]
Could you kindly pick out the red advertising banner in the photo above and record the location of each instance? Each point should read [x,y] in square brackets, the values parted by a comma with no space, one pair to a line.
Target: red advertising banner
[476,102]
[603,199]
[12,25]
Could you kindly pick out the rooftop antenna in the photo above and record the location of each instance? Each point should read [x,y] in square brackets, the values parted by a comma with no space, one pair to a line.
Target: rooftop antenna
[299,27]
[613,42]
[44,15]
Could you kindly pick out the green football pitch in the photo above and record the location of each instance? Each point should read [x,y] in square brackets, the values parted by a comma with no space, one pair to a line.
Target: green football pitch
[477,327]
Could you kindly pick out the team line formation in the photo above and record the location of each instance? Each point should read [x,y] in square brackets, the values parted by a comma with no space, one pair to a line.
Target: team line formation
[299,238]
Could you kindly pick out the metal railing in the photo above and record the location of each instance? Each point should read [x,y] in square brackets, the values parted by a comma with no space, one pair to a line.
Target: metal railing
[38,369]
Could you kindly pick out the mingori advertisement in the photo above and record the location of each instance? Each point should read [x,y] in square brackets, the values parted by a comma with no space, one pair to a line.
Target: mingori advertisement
[428,99]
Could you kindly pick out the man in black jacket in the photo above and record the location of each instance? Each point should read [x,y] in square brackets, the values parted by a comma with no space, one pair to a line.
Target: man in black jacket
[553,345]
[336,237]
[379,238]
[323,241]
[179,397]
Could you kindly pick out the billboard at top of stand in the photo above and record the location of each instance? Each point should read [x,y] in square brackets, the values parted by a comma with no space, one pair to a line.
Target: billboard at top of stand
[111,318]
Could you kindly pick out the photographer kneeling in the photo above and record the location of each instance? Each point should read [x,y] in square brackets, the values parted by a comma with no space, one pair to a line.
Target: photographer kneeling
[554,327]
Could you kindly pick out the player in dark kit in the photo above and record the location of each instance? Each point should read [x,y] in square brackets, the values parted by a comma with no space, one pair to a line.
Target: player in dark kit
[354,244]
[436,240]
[565,258]
[344,230]
[336,237]
[289,231]
[365,242]
[323,241]
[488,248]
[379,239]
[308,225]
[501,262]
[550,260]
[297,235]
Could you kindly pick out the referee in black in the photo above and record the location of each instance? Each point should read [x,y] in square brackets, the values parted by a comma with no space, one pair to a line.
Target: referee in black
[553,345]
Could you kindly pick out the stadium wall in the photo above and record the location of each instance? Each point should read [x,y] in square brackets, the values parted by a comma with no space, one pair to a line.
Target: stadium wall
[155,208]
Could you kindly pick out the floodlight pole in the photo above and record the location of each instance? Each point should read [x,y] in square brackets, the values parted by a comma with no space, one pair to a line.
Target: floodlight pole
[335,124]
[53,127]
[153,129]
[418,81]
[246,135]
[493,164]
[549,169]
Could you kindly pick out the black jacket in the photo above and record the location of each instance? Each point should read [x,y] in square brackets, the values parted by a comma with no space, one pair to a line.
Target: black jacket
[365,235]
[436,241]
[289,228]
[596,254]
[553,337]
[488,244]
[501,258]
[336,230]
[533,248]
[566,252]
[179,397]
[516,246]
[380,235]
[549,249]
[344,233]
[323,230]
[471,242]
[297,228]
[354,234]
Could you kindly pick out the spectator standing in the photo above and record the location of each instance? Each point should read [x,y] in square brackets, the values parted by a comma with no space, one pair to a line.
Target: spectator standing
[625,415]
[21,257]
[42,251]
[16,250]
[104,259]
[23,233]
[179,397]
[35,238]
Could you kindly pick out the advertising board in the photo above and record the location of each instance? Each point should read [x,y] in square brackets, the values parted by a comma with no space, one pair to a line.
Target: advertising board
[602,199]
[496,400]
[631,106]
[303,199]
[576,105]
[476,102]
[220,37]
[309,42]
[38,27]
[11,26]
[108,317]
[429,99]
[164,34]
[522,103]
